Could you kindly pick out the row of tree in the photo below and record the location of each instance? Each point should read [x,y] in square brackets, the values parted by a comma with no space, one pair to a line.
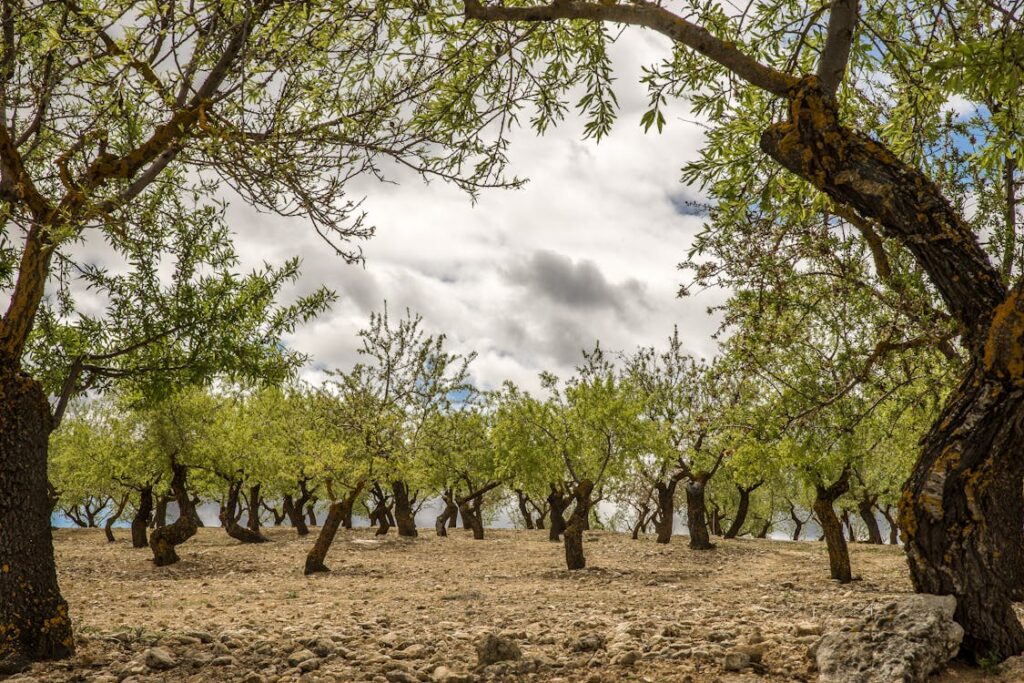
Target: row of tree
[404,425]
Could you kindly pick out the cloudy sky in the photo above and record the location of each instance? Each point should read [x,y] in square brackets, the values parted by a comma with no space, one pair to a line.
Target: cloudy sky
[528,278]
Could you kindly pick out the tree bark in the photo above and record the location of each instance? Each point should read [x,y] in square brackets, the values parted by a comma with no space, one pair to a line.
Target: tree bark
[450,510]
[164,539]
[311,511]
[798,524]
[160,516]
[962,512]
[557,504]
[140,523]
[741,511]
[294,509]
[574,557]
[405,520]
[894,530]
[254,509]
[315,560]
[108,525]
[524,508]
[700,539]
[838,553]
[229,519]
[665,521]
[34,620]
[196,501]
[866,510]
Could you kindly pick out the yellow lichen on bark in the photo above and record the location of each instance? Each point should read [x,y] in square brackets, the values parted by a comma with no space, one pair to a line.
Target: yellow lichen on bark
[1004,346]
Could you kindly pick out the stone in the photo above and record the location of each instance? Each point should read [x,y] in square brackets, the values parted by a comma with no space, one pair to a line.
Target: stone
[807,628]
[223,660]
[627,658]
[905,642]
[399,676]
[589,642]
[1012,669]
[443,674]
[736,661]
[755,652]
[493,648]
[299,656]
[309,665]
[159,658]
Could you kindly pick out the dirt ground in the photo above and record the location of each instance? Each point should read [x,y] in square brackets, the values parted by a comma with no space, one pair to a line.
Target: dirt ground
[397,609]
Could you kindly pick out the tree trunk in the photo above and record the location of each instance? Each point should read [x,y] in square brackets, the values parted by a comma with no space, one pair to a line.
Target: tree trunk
[108,525]
[798,524]
[962,509]
[315,560]
[318,553]
[741,511]
[471,510]
[164,539]
[524,508]
[160,516]
[866,510]
[962,512]
[450,511]
[838,553]
[894,530]
[311,512]
[665,521]
[700,539]
[294,510]
[254,509]
[848,525]
[348,504]
[229,519]
[574,558]
[34,620]
[763,533]
[556,509]
[405,520]
[140,523]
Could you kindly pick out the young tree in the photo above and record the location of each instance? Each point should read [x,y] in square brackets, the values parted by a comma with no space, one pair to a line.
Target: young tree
[388,403]
[582,436]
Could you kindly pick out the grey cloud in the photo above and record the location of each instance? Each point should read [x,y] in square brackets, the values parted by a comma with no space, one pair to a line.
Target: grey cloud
[577,284]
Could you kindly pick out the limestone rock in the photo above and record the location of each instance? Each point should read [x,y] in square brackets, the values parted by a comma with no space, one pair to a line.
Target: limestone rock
[900,642]
[159,658]
[492,648]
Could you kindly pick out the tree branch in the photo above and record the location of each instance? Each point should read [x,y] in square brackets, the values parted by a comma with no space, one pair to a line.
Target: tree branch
[648,15]
[842,20]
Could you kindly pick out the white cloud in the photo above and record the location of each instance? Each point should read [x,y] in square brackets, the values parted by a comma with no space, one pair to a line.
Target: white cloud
[586,251]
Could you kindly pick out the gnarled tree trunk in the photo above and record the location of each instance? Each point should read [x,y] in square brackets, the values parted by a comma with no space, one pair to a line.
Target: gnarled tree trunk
[557,504]
[405,520]
[315,560]
[254,509]
[741,511]
[229,520]
[961,511]
[160,515]
[451,509]
[34,622]
[574,558]
[832,528]
[665,521]
[700,539]
[163,540]
[108,525]
[866,510]
[293,508]
[524,508]
[140,523]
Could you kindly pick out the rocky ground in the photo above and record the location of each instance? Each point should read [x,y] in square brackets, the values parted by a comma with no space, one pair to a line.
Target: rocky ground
[406,610]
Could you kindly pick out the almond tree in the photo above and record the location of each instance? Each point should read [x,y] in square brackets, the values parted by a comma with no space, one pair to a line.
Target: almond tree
[778,74]
[117,115]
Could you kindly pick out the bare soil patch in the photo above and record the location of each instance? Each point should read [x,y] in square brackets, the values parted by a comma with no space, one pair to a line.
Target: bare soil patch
[396,609]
